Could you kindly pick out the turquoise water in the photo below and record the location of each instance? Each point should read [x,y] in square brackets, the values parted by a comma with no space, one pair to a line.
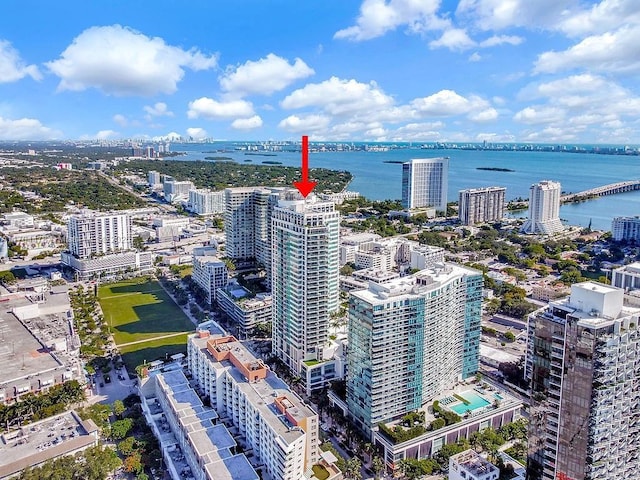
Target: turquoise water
[475,402]
[576,172]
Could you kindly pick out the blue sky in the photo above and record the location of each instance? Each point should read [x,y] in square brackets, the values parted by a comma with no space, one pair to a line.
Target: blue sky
[543,71]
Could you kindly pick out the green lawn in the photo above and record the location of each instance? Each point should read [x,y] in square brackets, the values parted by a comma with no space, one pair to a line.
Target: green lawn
[139,310]
[137,354]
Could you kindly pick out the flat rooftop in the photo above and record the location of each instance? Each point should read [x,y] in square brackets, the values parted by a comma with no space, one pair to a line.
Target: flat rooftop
[37,442]
[21,355]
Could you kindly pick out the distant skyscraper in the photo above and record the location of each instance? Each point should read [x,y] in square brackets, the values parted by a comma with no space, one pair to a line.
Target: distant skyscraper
[305,276]
[544,209]
[424,183]
[583,364]
[99,234]
[480,205]
[625,228]
[410,339]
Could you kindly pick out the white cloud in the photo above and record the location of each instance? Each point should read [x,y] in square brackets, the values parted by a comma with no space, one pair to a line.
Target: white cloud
[496,137]
[446,103]
[610,52]
[211,109]
[475,57]
[483,116]
[158,110]
[197,133]
[378,17]
[499,14]
[453,39]
[305,124]
[26,129]
[247,123]
[539,114]
[121,61]
[601,17]
[120,119]
[339,97]
[501,40]
[106,134]
[264,76]
[12,68]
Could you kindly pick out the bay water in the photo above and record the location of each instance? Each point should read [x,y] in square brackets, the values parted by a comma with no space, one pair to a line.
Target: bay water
[378,180]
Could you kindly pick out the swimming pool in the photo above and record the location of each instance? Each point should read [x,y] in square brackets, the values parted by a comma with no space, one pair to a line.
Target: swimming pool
[475,402]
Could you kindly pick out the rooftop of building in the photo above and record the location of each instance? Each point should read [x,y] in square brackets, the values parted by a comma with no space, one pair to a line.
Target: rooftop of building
[230,468]
[413,285]
[630,268]
[40,441]
[263,392]
[482,189]
[358,238]
[473,463]
[21,355]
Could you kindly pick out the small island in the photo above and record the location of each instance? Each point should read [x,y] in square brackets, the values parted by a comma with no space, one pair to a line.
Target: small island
[271,162]
[219,159]
[394,161]
[262,154]
[495,169]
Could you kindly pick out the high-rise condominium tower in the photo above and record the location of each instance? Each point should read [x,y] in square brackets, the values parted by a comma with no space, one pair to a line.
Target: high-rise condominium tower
[424,183]
[480,205]
[99,234]
[544,209]
[410,339]
[583,364]
[305,276]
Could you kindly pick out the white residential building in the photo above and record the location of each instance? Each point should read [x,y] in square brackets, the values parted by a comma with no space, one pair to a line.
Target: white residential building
[410,339]
[273,421]
[93,234]
[544,209]
[469,465]
[583,364]
[206,202]
[305,276]
[190,436]
[153,178]
[210,273]
[625,228]
[177,191]
[425,183]
[246,312]
[481,205]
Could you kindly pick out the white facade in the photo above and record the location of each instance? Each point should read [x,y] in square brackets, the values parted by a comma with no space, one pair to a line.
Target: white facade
[99,234]
[153,178]
[480,205]
[469,465]
[625,228]
[177,191]
[19,220]
[544,209]
[425,182]
[281,430]
[206,202]
[246,313]
[109,266]
[210,273]
[305,276]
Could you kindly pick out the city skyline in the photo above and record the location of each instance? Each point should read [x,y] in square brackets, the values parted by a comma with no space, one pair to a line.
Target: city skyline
[464,71]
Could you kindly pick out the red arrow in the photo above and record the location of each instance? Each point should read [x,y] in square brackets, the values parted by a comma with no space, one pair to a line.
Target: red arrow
[305,187]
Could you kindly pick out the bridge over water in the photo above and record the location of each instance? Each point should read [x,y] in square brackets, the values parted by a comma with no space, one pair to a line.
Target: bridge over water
[611,189]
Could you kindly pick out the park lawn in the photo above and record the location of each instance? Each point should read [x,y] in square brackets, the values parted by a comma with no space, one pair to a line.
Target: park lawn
[160,349]
[140,309]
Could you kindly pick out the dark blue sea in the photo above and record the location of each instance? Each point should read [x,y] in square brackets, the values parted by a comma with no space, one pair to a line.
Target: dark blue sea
[378,180]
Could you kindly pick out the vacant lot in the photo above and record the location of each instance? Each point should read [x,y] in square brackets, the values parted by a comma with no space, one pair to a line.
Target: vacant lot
[145,323]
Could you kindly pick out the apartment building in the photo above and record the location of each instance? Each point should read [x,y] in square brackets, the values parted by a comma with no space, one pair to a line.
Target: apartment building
[210,273]
[583,362]
[481,205]
[425,183]
[271,420]
[544,209]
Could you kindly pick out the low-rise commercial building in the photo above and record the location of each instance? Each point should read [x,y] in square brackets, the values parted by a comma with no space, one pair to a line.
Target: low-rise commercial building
[109,266]
[245,311]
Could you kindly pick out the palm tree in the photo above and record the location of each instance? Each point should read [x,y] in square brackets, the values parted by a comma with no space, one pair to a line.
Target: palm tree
[378,466]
